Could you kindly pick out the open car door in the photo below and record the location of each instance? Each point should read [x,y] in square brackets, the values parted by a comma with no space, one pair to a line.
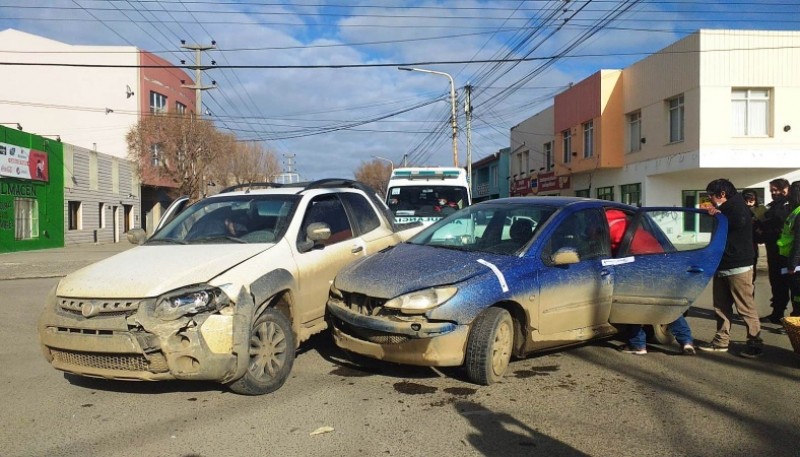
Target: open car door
[665,260]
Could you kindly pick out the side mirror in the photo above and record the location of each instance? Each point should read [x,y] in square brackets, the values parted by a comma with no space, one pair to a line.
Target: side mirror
[136,236]
[315,233]
[565,256]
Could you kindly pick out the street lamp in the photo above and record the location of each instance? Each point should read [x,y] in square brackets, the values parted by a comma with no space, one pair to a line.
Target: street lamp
[384,158]
[452,105]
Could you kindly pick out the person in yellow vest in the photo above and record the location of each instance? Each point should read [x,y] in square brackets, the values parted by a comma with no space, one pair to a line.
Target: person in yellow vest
[789,246]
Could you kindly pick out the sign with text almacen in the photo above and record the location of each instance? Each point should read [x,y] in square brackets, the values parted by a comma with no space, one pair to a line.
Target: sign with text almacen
[23,163]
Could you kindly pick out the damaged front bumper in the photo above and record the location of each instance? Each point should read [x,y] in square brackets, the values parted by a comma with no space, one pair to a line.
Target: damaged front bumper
[413,341]
[125,341]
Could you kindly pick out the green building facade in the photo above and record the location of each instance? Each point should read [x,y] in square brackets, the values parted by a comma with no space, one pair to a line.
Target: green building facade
[31,191]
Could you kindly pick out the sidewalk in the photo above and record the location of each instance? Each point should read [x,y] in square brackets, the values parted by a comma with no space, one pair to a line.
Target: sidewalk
[57,262]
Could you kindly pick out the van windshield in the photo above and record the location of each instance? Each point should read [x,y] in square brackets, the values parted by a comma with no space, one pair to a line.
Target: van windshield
[426,200]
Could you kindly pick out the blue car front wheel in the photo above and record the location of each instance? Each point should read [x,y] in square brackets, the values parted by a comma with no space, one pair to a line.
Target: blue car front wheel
[491,340]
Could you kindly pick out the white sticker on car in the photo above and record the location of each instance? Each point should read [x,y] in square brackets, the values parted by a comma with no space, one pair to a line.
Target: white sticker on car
[623,260]
[500,278]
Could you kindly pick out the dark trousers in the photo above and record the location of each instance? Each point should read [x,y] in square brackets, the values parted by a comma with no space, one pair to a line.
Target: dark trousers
[778,282]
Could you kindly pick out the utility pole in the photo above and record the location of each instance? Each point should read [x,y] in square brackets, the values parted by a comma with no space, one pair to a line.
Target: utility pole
[468,112]
[198,91]
[198,75]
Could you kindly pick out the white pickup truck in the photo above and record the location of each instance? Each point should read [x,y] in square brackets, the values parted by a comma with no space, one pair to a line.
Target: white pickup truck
[225,290]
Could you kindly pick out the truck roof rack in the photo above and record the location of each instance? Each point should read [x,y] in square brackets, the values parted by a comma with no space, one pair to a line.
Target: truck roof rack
[250,185]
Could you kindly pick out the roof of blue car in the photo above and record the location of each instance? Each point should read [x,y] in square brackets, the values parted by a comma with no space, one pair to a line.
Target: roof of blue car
[551,201]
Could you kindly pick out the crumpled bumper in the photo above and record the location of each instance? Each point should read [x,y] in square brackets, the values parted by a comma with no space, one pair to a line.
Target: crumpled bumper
[414,342]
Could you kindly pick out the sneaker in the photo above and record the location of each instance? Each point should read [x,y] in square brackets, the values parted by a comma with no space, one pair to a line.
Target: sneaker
[632,350]
[688,349]
[752,352]
[713,347]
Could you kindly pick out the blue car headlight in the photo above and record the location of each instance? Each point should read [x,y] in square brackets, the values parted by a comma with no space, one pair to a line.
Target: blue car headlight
[422,300]
[190,300]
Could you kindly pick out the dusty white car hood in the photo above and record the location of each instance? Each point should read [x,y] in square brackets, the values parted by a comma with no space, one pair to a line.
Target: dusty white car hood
[148,271]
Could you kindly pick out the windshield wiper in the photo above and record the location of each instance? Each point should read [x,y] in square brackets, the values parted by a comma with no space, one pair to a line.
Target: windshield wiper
[166,241]
[218,238]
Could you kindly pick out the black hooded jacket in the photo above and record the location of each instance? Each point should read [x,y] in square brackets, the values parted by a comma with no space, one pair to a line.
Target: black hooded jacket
[739,246]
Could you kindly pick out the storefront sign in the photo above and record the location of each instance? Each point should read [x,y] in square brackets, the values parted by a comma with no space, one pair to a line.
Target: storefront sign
[17,189]
[549,181]
[520,187]
[23,163]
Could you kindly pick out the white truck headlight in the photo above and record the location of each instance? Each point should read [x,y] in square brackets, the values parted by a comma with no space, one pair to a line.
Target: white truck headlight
[192,300]
[422,300]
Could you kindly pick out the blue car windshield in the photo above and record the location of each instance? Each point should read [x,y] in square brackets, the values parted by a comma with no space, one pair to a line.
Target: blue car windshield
[502,228]
[230,219]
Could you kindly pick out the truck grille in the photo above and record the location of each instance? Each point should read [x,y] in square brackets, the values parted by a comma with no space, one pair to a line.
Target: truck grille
[88,307]
[117,362]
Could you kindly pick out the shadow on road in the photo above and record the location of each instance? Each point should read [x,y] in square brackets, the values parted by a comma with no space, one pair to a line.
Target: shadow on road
[502,434]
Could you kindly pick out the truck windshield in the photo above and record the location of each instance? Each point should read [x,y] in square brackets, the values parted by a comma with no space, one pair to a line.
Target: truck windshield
[234,219]
[434,201]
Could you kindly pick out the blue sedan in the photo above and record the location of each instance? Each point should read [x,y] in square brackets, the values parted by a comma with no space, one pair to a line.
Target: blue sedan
[514,276]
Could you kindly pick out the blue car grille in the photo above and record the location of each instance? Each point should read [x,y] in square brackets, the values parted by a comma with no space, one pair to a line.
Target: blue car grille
[362,304]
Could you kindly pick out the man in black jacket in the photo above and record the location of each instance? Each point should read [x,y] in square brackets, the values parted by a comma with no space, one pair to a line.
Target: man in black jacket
[733,281]
[774,218]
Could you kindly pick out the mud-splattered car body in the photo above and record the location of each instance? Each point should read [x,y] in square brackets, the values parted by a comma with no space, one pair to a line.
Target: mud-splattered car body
[225,291]
[523,274]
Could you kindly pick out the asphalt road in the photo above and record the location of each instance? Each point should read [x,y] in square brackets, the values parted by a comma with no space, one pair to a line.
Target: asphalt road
[588,400]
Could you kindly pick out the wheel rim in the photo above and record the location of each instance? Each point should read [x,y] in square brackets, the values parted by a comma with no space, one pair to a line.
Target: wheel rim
[267,350]
[501,348]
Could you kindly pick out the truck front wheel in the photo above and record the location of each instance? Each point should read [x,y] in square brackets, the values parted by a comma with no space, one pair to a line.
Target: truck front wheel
[272,350]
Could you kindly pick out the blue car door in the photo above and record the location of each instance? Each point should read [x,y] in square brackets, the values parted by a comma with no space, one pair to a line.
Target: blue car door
[576,295]
[663,262]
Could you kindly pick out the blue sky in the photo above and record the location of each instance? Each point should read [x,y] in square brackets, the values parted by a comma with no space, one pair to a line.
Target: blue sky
[333,119]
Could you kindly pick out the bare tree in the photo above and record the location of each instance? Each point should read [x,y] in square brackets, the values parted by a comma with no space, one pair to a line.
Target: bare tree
[375,173]
[175,151]
[241,163]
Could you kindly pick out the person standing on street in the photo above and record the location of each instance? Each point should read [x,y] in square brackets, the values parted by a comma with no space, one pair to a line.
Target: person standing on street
[770,229]
[789,246]
[733,281]
[759,211]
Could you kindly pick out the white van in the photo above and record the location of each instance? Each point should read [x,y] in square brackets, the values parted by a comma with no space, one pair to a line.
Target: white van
[427,194]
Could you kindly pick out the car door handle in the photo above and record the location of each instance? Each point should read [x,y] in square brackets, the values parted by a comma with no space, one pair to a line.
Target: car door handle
[694,269]
[357,249]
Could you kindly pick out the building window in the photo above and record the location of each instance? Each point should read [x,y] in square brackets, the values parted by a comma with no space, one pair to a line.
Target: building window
[522,163]
[494,176]
[676,119]
[635,131]
[158,103]
[605,193]
[155,155]
[582,193]
[631,194]
[567,135]
[588,139]
[74,216]
[101,215]
[180,108]
[548,156]
[26,218]
[750,112]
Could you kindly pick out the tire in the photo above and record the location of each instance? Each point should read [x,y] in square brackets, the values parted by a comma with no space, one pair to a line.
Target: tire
[659,334]
[491,340]
[272,351]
